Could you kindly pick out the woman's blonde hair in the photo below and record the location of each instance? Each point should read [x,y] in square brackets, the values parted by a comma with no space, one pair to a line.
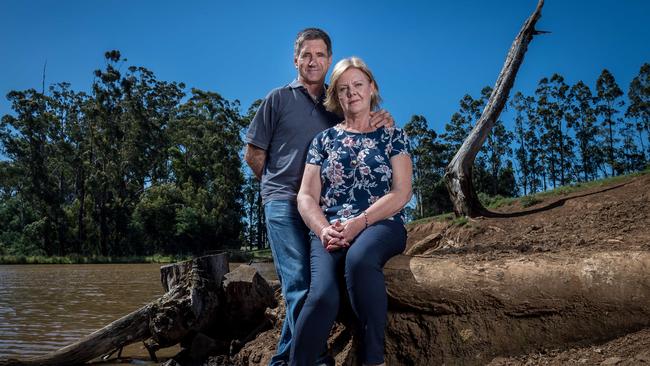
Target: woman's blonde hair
[332,97]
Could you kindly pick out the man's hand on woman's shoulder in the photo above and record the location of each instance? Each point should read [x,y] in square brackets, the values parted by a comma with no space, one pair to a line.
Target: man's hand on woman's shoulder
[381,119]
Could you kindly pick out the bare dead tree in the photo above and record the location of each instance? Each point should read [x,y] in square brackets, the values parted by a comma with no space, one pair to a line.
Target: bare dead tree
[43,79]
[458,174]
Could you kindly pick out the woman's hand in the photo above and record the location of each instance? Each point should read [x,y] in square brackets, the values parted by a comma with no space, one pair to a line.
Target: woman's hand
[332,238]
[352,228]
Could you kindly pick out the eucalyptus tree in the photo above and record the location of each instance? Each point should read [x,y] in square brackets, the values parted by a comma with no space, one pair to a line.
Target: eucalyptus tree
[559,91]
[639,108]
[581,117]
[206,165]
[25,140]
[428,154]
[252,196]
[523,151]
[631,159]
[608,100]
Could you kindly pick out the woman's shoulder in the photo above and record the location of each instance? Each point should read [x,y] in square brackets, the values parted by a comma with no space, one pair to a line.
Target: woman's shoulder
[392,131]
[333,132]
[326,135]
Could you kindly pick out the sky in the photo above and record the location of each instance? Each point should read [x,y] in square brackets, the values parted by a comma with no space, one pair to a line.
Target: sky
[425,54]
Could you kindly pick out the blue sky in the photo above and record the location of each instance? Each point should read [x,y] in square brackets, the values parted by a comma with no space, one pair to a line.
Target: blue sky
[425,54]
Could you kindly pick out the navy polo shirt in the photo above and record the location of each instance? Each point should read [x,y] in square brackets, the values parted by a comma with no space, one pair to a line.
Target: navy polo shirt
[284,125]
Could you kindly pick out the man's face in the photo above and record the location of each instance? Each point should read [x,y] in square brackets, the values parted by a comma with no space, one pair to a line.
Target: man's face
[313,62]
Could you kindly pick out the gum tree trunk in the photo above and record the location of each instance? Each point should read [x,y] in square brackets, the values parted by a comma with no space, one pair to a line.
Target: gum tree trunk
[458,175]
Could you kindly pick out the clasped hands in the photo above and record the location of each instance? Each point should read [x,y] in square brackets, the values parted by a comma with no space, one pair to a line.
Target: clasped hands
[340,235]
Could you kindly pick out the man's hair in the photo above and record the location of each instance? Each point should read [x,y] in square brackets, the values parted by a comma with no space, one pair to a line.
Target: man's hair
[332,96]
[309,34]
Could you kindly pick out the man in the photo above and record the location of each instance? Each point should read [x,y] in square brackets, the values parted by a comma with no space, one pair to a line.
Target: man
[277,143]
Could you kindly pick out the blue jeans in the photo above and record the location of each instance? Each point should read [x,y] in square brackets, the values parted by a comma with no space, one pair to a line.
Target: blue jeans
[363,264]
[289,239]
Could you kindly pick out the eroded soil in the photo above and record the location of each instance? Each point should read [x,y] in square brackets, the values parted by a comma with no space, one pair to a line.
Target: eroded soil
[614,217]
[611,218]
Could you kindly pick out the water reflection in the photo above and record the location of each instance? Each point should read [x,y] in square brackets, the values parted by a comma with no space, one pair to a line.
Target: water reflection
[46,307]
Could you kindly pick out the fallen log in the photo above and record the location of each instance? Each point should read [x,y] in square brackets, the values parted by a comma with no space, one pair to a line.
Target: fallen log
[124,331]
[450,311]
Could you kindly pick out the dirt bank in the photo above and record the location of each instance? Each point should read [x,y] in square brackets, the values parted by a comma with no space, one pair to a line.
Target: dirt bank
[614,217]
[562,281]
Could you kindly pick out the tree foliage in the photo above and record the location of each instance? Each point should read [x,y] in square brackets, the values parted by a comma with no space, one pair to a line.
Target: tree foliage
[127,169]
[139,166]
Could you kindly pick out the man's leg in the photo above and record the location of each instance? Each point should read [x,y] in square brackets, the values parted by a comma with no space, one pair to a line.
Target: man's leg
[289,239]
[320,308]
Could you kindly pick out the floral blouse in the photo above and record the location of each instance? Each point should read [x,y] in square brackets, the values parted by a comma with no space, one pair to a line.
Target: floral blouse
[355,168]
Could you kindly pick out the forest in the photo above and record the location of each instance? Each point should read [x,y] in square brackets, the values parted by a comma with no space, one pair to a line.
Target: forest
[140,166]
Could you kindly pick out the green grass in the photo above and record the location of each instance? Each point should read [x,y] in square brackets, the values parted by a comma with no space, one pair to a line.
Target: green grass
[440,218]
[495,201]
[592,184]
[460,221]
[262,254]
[527,201]
[77,259]
[234,256]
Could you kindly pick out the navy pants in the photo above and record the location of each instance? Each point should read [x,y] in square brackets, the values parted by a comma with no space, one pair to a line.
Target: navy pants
[363,264]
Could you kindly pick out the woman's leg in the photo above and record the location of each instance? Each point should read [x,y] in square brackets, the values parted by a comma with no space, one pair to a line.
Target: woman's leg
[365,282]
[319,311]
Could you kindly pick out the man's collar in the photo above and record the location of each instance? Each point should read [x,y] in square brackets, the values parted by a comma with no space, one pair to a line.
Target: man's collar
[297,84]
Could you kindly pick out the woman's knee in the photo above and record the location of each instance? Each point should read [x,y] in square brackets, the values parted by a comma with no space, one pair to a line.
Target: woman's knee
[324,298]
[361,259]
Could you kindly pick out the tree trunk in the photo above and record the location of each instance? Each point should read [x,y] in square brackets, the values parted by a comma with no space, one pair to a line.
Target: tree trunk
[458,175]
[124,331]
[454,311]
[457,312]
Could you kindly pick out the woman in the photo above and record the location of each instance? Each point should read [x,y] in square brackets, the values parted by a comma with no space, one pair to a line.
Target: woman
[361,176]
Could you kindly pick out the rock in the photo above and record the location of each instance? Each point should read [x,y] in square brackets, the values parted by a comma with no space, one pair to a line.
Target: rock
[643,357]
[611,361]
[247,295]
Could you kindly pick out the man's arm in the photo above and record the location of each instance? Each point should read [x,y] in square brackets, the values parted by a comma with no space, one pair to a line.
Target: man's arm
[255,158]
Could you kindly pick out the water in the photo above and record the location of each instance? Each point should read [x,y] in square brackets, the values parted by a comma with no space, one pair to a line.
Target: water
[46,307]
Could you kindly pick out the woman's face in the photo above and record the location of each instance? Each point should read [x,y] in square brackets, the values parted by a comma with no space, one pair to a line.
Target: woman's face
[354,90]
